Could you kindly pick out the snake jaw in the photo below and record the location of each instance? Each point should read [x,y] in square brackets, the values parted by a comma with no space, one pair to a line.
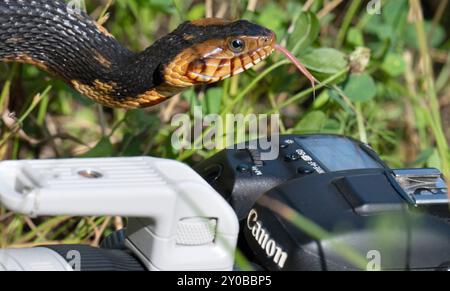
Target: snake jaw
[214,60]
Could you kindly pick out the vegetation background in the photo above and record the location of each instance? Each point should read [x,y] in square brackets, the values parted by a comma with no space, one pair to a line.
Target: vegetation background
[387,78]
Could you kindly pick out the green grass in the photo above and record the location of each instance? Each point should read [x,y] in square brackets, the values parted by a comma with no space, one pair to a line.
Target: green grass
[385,80]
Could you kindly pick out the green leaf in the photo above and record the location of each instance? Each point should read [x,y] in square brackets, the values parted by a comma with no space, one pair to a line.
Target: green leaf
[423,157]
[360,88]
[393,65]
[313,122]
[273,17]
[163,6]
[325,60]
[213,100]
[196,12]
[435,161]
[191,97]
[332,126]
[382,30]
[355,37]
[104,148]
[393,10]
[306,31]
[132,146]
[390,23]
[321,100]
[437,38]
[336,97]
[138,120]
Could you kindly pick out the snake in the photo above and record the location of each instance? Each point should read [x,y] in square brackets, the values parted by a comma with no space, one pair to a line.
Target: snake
[72,46]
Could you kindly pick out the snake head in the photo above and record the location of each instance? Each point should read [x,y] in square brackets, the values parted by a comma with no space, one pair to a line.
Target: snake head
[210,50]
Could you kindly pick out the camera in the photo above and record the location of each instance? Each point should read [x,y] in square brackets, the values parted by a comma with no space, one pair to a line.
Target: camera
[395,219]
[326,202]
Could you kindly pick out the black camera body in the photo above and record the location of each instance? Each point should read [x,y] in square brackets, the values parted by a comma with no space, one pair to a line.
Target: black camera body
[330,203]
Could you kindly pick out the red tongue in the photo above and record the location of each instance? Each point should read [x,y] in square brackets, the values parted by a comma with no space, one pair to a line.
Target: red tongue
[299,65]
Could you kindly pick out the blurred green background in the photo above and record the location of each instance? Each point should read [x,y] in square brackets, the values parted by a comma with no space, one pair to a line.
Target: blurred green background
[387,78]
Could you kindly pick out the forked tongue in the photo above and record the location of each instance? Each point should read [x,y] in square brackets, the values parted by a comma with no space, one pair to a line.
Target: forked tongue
[299,65]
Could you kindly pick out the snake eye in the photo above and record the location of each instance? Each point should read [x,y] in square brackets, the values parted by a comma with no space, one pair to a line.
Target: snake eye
[237,45]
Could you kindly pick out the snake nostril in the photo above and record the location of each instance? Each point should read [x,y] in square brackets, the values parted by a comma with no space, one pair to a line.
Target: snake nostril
[267,39]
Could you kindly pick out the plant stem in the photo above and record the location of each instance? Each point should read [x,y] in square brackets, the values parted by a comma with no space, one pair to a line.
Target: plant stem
[37,99]
[4,97]
[431,94]
[349,16]
[360,121]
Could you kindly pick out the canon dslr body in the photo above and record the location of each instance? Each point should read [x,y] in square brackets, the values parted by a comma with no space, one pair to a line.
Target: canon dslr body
[393,219]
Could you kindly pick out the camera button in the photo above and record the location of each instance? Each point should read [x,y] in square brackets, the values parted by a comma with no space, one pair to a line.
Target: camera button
[243,169]
[305,171]
[293,157]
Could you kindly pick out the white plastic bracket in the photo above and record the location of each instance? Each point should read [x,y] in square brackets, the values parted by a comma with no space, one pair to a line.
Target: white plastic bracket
[177,221]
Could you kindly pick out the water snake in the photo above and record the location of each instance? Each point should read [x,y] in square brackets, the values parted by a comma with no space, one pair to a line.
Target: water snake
[74,47]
